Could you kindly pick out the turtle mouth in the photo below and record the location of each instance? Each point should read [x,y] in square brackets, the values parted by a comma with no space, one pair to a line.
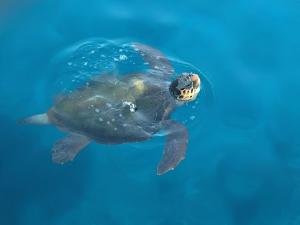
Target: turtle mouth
[186,87]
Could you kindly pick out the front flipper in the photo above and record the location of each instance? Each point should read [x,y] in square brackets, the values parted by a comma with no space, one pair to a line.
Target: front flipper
[67,148]
[175,147]
[157,61]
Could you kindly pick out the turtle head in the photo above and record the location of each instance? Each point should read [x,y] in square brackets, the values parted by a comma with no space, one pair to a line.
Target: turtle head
[185,87]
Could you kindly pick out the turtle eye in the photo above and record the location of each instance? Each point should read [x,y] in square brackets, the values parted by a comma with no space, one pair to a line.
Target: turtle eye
[189,85]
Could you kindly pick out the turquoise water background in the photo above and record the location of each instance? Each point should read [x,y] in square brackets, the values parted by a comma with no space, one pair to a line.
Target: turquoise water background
[243,161]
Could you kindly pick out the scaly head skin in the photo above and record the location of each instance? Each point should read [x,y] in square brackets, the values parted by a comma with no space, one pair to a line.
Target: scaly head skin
[186,87]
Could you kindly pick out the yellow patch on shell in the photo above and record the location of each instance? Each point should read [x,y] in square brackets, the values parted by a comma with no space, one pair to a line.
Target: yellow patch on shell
[139,86]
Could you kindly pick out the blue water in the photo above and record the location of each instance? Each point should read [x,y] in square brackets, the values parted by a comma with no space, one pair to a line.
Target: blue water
[243,160]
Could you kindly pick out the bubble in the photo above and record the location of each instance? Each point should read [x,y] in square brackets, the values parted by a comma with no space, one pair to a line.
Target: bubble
[192,117]
[123,57]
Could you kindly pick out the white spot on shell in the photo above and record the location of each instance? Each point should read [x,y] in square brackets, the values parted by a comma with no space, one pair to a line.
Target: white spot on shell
[115,128]
[113,120]
[100,119]
[70,63]
[132,106]
[108,123]
[85,63]
[93,51]
[97,110]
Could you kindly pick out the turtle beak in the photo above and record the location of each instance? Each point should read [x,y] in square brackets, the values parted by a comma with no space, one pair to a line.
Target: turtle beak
[196,81]
[196,85]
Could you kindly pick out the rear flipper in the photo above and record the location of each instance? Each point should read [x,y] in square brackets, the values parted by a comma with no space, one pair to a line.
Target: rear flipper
[39,119]
[175,147]
[67,148]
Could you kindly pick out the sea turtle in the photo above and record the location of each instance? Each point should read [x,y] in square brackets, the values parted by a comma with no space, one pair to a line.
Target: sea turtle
[133,108]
